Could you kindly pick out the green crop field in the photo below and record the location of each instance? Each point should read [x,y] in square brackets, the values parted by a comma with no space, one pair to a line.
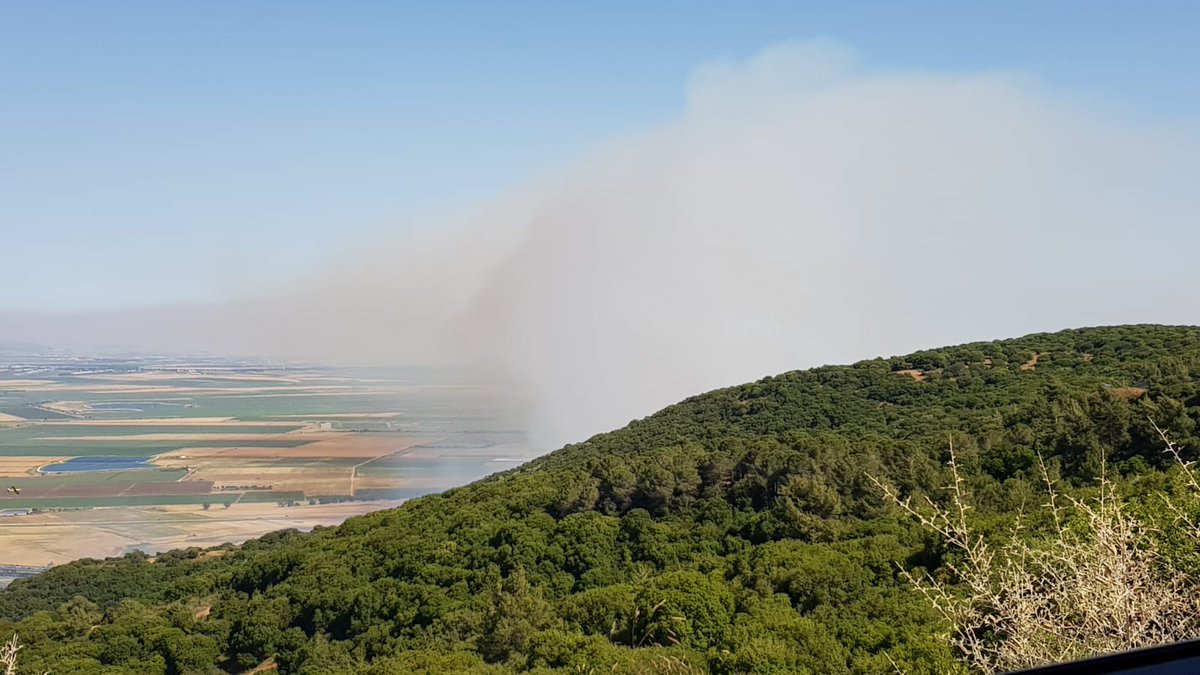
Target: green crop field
[272,496]
[130,448]
[51,481]
[253,408]
[138,500]
[52,430]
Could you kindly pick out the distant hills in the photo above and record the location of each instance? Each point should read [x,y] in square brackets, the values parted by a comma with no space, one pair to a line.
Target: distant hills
[736,531]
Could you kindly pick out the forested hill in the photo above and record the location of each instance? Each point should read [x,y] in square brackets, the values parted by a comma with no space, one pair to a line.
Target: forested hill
[736,531]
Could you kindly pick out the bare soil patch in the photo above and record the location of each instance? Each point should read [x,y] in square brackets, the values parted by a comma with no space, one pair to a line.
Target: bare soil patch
[267,666]
[1128,393]
[1033,361]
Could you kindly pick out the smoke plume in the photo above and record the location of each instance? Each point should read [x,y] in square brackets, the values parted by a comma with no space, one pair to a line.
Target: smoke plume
[804,210]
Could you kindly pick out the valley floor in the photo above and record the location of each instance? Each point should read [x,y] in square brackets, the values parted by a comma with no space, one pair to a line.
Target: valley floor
[58,537]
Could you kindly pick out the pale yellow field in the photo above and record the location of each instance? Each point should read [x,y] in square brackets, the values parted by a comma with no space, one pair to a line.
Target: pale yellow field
[310,481]
[23,466]
[313,481]
[21,384]
[55,538]
[321,445]
[67,407]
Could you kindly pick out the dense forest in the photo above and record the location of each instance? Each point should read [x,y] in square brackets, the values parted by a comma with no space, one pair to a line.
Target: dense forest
[738,531]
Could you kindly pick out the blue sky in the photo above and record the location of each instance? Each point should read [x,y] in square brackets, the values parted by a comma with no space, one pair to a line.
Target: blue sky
[158,152]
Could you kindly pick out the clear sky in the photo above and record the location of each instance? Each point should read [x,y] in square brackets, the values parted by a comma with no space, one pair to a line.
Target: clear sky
[156,152]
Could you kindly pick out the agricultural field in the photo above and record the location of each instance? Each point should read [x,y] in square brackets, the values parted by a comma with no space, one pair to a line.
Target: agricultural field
[99,456]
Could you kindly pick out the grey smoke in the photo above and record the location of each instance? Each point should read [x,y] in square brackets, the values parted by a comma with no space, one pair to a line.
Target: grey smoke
[803,211]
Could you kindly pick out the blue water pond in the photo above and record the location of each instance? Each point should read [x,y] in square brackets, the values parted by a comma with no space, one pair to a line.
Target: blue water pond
[100,463]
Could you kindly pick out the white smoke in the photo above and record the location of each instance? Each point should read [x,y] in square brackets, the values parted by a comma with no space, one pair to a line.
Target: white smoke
[803,211]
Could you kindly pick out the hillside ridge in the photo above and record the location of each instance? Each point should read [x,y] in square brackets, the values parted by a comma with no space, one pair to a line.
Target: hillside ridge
[734,531]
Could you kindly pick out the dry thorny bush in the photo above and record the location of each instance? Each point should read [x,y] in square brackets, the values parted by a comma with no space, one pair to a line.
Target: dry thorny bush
[1096,584]
[8,655]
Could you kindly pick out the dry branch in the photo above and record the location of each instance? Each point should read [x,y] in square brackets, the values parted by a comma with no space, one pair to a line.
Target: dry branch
[1096,584]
